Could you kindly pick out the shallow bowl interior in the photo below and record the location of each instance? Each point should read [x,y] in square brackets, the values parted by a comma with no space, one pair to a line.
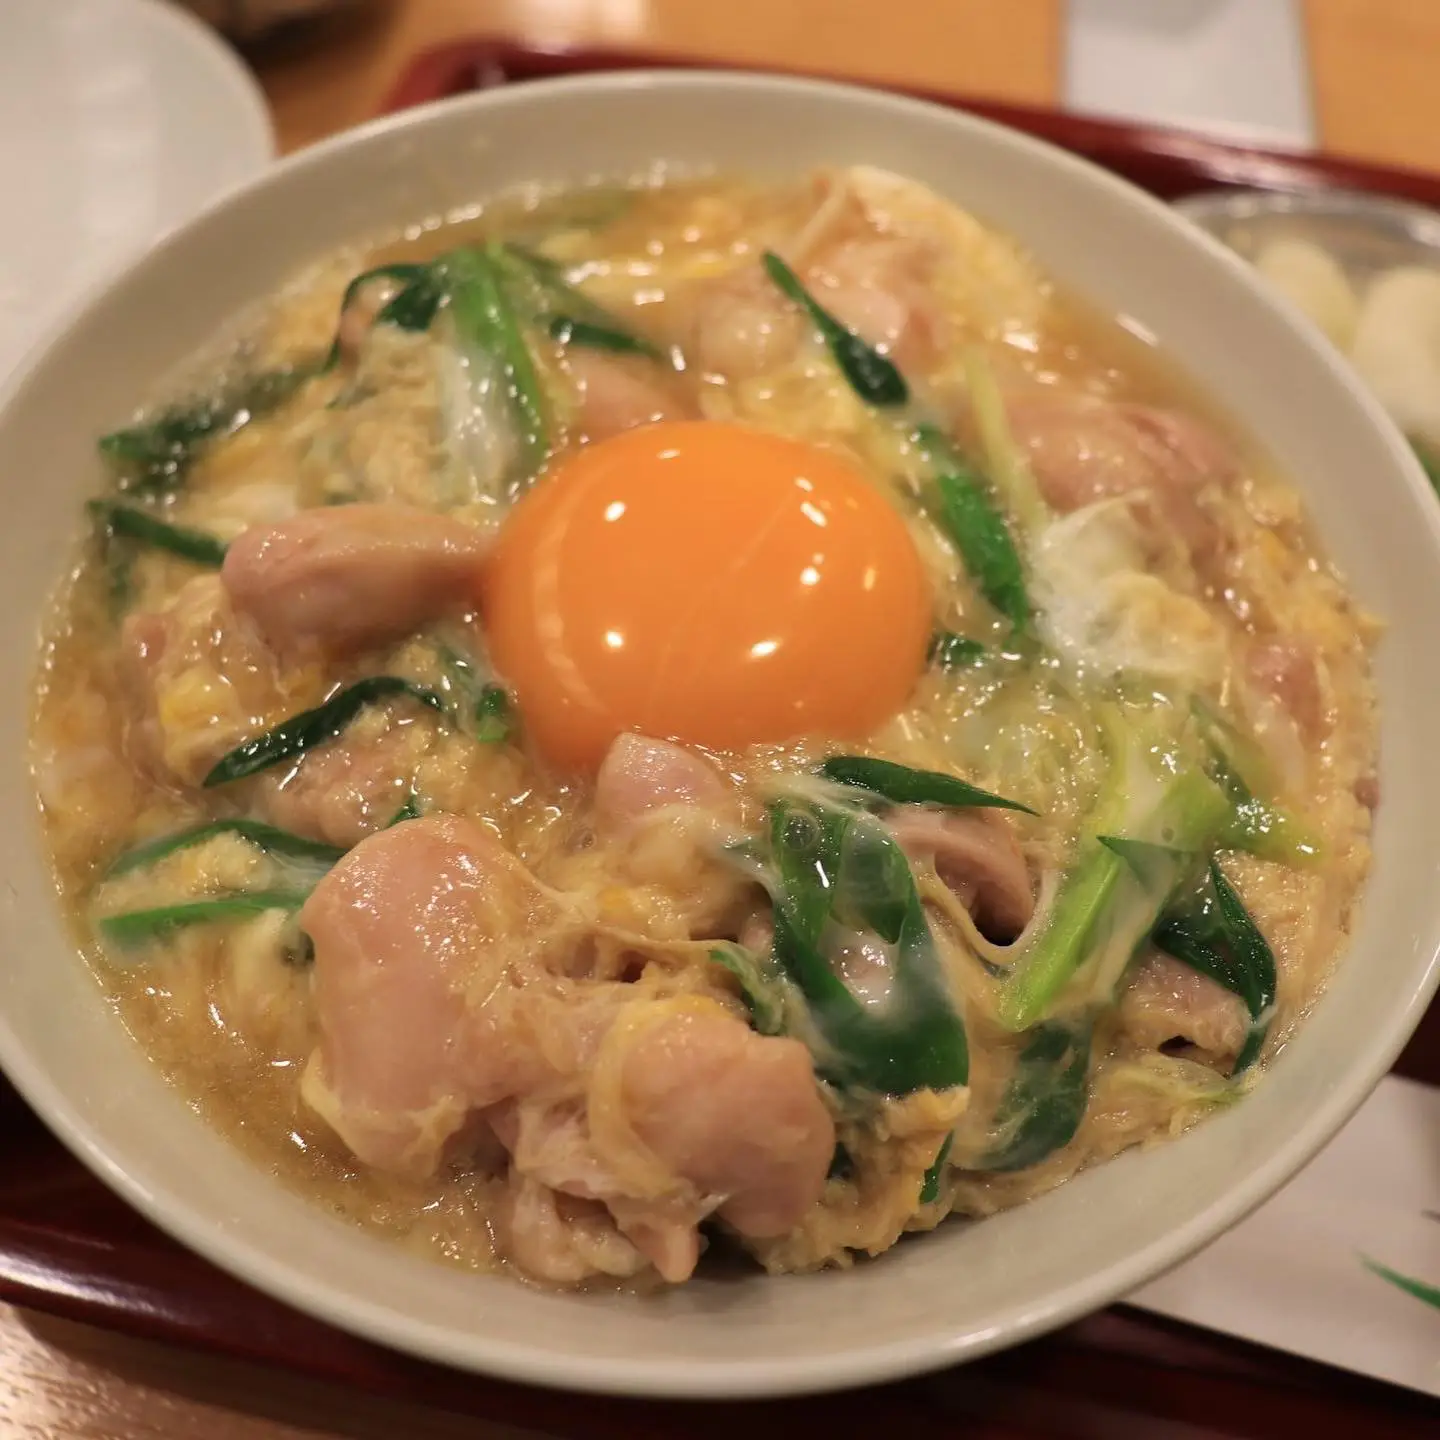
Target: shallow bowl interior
[965,1289]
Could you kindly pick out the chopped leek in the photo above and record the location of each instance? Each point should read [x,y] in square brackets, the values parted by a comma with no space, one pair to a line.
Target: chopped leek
[131,523]
[494,715]
[569,315]
[902,785]
[413,307]
[587,335]
[1005,465]
[1045,1101]
[1111,899]
[977,527]
[1237,766]
[839,870]
[481,708]
[930,1186]
[485,320]
[157,454]
[312,728]
[759,990]
[951,651]
[136,927]
[1217,937]
[873,378]
[268,838]
[410,810]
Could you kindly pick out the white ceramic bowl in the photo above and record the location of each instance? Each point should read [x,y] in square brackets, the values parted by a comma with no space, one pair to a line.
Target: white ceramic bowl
[967,1289]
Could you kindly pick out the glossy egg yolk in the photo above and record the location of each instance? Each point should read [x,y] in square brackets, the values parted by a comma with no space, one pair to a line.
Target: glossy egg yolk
[704,582]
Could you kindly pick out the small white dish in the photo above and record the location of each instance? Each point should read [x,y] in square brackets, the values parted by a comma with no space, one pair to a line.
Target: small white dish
[119,120]
[938,1299]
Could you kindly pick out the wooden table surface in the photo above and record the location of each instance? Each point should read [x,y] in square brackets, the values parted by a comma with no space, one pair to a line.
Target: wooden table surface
[1375,65]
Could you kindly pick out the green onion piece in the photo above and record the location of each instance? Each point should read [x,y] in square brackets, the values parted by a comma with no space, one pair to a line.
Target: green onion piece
[410,810]
[1418,1289]
[158,454]
[875,379]
[1046,1099]
[311,728]
[268,838]
[1005,464]
[759,991]
[1110,901]
[903,786]
[1269,832]
[494,715]
[930,1186]
[952,652]
[1218,938]
[571,317]
[412,308]
[1237,765]
[839,870]
[1429,462]
[415,307]
[977,527]
[119,573]
[133,524]
[565,330]
[1057,952]
[135,927]
[482,708]
[484,318]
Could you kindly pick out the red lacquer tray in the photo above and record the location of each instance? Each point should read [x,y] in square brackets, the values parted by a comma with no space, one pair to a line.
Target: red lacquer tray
[68,1246]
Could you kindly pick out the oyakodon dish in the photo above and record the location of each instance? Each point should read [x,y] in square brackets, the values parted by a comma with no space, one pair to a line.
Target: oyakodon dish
[719,705]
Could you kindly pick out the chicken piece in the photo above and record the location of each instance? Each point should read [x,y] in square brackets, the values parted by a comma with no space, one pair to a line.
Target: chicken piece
[1082,449]
[197,676]
[880,287]
[639,776]
[619,392]
[983,274]
[561,1239]
[341,579]
[661,810]
[348,789]
[410,933]
[1285,671]
[737,1114]
[976,854]
[688,1111]
[551,1144]
[740,325]
[1169,1001]
[417,934]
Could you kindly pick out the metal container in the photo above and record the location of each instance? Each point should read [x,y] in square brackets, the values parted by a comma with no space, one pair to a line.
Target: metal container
[1366,234]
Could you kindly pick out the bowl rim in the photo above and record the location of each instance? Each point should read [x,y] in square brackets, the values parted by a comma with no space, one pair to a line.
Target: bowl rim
[701,1379]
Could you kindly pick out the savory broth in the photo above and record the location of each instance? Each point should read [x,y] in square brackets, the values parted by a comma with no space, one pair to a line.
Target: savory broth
[530,963]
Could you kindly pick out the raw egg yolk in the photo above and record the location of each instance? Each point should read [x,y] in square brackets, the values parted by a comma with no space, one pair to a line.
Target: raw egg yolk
[703,582]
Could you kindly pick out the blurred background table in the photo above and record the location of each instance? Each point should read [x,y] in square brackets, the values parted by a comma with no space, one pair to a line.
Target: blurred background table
[1372,64]
[1373,67]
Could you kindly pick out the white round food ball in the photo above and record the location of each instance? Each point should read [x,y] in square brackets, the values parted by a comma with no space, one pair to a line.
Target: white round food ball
[1397,348]
[1312,279]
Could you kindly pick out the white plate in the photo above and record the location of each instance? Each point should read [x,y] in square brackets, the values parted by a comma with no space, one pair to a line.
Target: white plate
[119,120]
